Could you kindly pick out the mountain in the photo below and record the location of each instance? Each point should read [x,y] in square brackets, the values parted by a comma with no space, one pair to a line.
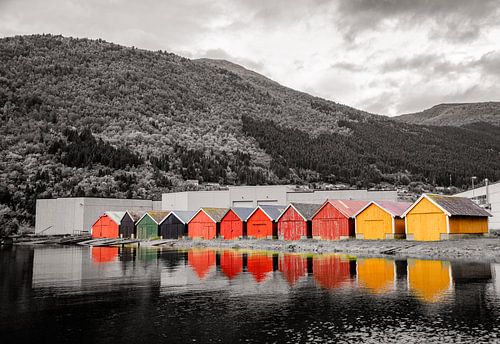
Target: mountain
[458,114]
[82,117]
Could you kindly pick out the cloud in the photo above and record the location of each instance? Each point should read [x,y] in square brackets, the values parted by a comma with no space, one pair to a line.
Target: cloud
[384,56]
[454,20]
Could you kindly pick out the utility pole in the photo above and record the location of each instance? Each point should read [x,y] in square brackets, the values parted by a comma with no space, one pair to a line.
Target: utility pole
[473,178]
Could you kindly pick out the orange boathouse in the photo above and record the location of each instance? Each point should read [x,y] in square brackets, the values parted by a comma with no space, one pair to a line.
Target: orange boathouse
[439,217]
[334,220]
[381,220]
[295,222]
[108,225]
[233,224]
[262,222]
[205,224]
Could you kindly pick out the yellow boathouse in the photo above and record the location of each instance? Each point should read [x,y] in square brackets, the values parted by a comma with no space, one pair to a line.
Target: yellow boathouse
[381,220]
[438,217]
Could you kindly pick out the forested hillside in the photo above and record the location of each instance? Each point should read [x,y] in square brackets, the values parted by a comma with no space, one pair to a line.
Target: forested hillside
[86,117]
[455,114]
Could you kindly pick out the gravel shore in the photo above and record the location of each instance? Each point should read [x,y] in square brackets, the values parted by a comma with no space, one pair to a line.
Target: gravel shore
[470,249]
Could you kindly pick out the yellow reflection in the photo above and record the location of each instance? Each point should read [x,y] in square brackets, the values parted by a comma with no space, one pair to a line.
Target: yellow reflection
[429,279]
[377,275]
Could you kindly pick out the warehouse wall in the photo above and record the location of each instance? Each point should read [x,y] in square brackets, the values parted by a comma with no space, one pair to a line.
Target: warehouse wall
[480,194]
[71,215]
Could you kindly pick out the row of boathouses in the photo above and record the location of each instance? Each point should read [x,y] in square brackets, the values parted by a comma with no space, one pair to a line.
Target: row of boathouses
[430,218]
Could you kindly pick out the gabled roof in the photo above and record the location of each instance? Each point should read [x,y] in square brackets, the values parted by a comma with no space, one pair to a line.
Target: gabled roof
[306,210]
[242,213]
[395,209]
[135,215]
[216,214]
[273,212]
[156,216]
[115,216]
[183,215]
[452,205]
[347,207]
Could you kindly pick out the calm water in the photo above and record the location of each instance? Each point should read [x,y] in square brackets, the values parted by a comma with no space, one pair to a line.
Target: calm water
[106,295]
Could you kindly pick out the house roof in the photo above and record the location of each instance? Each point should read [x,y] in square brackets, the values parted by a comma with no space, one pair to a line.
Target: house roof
[395,209]
[157,216]
[347,207]
[306,210]
[115,216]
[242,213]
[183,215]
[135,214]
[453,205]
[272,211]
[216,214]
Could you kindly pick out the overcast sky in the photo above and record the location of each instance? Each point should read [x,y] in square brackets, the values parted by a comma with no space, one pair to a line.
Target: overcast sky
[386,56]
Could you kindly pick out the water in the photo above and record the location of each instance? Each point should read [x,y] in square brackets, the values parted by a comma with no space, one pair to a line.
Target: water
[105,295]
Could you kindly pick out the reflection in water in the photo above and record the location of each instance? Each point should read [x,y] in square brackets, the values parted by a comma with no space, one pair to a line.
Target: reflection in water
[203,295]
[231,263]
[293,267]
[430,280]
[377,275]
[331,271]
[202,261]
[104,254]
[259,265]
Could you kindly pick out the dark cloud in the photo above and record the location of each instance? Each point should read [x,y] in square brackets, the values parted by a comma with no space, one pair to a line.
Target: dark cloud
[489,63]
[453,20]
[423,64]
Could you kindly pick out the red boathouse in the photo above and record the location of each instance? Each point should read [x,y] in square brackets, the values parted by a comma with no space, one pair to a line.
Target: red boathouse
[231,263]
[108,225]
[233,224]
[262,222]
[295,222]
[205,224]
[334,220]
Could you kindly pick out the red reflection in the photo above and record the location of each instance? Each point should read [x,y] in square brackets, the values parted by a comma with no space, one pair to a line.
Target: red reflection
[201,261]
[259,265]
[104,254]
[231,263]
[293,267]
[331,271]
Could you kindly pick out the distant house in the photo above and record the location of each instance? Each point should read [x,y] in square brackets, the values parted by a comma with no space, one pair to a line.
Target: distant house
[334,220]
[127,227]
[262,222]
[147,226]
[108,225]
[438,217]
[381,220]
[234,224]
[205,224]
[295,221]
[175,225]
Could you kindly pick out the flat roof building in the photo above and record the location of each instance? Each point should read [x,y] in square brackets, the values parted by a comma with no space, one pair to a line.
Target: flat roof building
[74,215]
[489,198]
[252,196]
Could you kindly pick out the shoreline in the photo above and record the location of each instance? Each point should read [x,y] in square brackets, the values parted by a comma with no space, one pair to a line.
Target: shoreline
[460,249]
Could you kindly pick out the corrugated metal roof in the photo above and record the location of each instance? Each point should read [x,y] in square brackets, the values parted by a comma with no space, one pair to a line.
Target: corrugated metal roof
[216,213]
[116,216]
[458,206]
[184,215]
[273,211]
[394,208]
[242,213]
[306,210]
[158,215]
[348,207]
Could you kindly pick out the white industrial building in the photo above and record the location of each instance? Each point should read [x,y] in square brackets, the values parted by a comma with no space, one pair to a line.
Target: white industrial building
[487,196]
[252,196]
[78,214]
